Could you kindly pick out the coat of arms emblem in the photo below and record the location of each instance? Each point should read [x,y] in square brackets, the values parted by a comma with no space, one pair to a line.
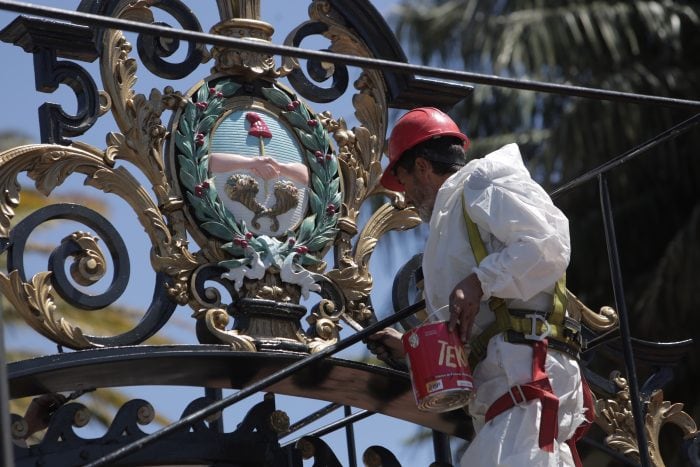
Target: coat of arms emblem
[260,175]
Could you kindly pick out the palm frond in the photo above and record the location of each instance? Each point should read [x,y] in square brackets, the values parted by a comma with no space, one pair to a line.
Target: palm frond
[527,36]
[672,284]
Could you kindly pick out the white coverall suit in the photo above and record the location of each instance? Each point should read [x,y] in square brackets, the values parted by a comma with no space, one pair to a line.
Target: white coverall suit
[527,240]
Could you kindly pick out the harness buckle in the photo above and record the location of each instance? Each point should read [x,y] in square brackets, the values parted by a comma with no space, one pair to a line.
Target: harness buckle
[513,397]
[534,319]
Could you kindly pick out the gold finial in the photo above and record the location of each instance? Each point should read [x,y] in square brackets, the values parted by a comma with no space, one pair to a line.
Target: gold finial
[230,9]
[241,19]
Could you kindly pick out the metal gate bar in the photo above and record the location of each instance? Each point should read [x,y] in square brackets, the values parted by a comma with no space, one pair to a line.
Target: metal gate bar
[312,418]
[441,446]
[350,437]
[336,425]
[6,449]
[618,291]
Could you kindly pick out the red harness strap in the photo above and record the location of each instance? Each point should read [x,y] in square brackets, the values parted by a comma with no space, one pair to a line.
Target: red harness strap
[539,388]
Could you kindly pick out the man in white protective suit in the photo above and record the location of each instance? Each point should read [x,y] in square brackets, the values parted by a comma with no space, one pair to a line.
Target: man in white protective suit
[503,287]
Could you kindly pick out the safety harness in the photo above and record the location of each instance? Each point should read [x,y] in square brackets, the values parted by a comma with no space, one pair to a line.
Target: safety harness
[540,330]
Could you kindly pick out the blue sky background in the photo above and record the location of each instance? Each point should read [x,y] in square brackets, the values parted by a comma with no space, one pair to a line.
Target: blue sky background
[19,114]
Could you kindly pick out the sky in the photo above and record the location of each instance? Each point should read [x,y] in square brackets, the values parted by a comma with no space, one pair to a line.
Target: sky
[19,114]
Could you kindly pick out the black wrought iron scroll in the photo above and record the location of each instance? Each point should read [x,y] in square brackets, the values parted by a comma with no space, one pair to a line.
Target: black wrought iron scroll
[318,70]
[88,266]
[253,441]
[151,48]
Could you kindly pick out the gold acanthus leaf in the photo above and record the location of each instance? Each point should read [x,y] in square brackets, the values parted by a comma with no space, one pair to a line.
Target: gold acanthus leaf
[179,264]
[216,320]
[370,109]
[142,141]
[659,413]
[121,182]
[354,279]
[384,219]
[47,164]
[116,144]
[370,103]
[34,303]
[118,73]
[615,417]
[147,131]
[367,149]
[138,117]
[178,261]
[56,163]
[355,285]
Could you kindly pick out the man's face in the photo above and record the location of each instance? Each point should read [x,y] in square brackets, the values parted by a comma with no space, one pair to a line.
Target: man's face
[418,191]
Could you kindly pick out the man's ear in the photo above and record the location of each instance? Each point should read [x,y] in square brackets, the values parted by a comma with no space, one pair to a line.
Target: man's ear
[422,166]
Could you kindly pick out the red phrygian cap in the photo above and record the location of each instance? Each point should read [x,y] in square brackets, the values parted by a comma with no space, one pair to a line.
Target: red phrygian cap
[258,127]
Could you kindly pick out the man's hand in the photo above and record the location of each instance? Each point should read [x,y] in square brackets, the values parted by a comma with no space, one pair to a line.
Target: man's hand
[386,345]
[465,300]
[40,410]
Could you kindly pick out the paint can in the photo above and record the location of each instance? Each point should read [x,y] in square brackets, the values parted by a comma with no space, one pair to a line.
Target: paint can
[438,366]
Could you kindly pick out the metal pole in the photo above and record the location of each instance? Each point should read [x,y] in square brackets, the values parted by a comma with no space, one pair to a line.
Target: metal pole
[330,428]
[216,394]
[6,446]
[350,436]
[352,60]
[311,418]
[256,387]
[616,274]
[441,446]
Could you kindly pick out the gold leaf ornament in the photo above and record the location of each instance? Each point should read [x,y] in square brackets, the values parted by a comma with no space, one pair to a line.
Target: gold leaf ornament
[34,302]
[216,320]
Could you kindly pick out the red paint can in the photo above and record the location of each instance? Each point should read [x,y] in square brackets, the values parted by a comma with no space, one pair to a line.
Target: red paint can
[439,369]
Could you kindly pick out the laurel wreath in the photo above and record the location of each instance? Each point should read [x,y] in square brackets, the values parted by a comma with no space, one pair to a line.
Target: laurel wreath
[192,140]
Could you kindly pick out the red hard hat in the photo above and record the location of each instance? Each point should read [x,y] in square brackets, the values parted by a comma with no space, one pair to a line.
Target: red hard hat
[414,127]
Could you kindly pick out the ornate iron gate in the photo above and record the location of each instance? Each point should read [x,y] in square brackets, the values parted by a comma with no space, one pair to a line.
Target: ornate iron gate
[265,186]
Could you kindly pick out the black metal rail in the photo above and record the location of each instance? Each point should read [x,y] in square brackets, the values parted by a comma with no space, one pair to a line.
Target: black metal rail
[371,63]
